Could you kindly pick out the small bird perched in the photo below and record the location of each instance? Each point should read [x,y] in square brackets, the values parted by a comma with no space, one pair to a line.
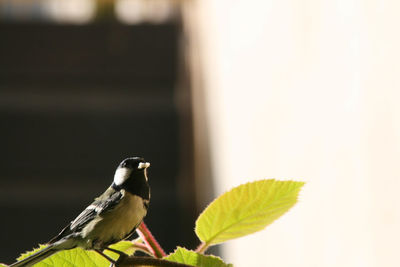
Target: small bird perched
[112,217]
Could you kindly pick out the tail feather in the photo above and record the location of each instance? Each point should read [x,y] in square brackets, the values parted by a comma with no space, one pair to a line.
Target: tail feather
[35,258]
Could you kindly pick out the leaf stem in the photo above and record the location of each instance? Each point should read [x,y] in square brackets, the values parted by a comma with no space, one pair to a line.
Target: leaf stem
[202,247]
[142,247]
[149,240]
[148,261]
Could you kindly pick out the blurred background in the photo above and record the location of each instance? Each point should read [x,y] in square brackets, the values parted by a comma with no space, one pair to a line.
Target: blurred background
[83,85]
[214,93]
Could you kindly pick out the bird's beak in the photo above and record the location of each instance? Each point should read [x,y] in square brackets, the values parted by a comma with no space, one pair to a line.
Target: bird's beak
[143,165]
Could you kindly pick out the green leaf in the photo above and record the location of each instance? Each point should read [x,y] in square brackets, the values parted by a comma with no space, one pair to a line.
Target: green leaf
[80,257]
[189,257]
[124,246]
[246,209]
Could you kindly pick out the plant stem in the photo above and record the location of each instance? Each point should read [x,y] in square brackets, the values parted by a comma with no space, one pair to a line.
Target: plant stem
[151,243]
[202,248]
[147,261]
[142,247]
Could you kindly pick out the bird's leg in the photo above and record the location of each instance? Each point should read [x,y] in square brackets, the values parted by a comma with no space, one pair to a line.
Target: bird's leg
[107,257]
[120,253]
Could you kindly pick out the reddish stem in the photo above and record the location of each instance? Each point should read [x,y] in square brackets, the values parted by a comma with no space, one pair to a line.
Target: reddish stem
[142,247]
[202,248]
[152,244]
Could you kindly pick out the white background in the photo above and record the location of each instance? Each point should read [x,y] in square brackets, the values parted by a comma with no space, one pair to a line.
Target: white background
[305,90]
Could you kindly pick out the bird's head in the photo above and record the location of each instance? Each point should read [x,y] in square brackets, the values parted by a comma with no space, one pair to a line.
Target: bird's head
[131,174]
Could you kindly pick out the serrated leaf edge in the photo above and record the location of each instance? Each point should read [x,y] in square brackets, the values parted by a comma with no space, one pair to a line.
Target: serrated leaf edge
[209,242]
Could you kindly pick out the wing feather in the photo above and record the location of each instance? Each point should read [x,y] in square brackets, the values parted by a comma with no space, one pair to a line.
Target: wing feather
[106,202]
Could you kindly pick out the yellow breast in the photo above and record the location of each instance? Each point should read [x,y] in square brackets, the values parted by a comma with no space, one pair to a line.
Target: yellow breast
[116,224]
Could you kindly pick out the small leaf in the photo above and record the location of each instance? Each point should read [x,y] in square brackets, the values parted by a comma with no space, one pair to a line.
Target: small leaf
[28,253]
[124,246]
[189,257]
[246,209]
[80,257]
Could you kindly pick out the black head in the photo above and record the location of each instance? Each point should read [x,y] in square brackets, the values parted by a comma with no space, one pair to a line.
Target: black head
[131,175]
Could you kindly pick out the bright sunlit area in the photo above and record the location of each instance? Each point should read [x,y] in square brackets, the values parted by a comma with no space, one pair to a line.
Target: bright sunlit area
[305,90]
[215,94]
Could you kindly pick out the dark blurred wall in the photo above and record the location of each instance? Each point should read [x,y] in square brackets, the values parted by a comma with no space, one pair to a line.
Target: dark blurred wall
[74,102]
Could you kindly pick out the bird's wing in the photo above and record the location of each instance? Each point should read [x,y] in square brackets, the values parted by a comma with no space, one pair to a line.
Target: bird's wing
[106,202]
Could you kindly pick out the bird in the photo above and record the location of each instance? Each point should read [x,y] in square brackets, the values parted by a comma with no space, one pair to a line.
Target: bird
[113,216]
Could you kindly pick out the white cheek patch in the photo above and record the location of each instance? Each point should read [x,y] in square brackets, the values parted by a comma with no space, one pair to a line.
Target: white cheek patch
[121,174]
